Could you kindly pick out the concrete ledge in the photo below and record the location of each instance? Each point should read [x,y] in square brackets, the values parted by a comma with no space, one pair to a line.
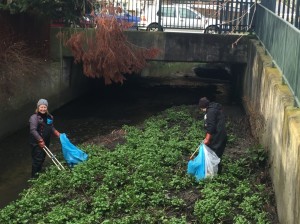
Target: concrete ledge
[280,128]
[175,47]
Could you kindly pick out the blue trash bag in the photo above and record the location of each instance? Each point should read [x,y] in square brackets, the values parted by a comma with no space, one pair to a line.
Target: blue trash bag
[72,154]
[196,167]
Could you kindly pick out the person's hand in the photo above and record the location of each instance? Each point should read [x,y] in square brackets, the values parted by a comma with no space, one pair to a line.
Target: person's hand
[207,139]
[41,143]
[56,133]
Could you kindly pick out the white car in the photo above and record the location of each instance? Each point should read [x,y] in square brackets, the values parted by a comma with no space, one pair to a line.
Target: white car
[177,16]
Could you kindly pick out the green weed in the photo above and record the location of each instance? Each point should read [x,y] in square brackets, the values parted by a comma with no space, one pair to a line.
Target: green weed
[144,180]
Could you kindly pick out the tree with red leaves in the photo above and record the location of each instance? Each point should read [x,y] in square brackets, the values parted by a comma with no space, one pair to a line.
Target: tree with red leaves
[108,54]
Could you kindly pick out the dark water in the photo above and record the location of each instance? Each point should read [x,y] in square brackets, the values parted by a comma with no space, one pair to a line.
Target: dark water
[97,113]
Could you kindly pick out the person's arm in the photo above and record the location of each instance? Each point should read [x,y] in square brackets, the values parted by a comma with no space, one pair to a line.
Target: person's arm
[211,122]
[211,126]
[33,124]
[56,133]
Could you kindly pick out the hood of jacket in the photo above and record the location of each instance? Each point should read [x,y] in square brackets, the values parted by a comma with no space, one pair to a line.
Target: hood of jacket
[215,106]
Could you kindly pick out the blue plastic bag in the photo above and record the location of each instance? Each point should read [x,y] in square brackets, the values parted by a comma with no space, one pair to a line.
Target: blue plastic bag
[196,167]
[72,154]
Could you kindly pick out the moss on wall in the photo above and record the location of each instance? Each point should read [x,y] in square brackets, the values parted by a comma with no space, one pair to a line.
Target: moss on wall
[268,98]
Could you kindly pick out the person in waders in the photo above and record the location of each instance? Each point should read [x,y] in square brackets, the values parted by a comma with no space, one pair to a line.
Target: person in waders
[41,130]
[214,125]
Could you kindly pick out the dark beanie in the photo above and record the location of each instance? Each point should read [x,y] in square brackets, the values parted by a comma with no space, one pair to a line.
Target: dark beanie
[203,102]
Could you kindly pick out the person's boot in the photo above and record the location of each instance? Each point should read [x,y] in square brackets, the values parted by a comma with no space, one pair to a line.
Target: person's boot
[34,171]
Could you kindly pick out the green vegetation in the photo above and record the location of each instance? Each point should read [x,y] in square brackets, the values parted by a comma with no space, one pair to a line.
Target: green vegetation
[144,181]
[68,9]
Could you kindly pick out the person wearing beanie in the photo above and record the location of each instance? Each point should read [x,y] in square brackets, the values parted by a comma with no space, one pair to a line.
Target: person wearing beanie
[41,129]
[214,125]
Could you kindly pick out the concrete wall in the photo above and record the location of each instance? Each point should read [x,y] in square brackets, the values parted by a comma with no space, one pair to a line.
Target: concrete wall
[177,47]
[277,124]
[57,81]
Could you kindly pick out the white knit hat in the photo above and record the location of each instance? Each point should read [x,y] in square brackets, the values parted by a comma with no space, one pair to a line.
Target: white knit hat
[42,102]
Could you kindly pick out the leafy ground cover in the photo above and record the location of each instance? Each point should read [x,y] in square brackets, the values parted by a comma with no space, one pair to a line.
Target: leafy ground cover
[139,176]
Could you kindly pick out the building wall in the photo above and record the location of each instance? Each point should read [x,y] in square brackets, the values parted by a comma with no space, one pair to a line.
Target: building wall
[270,104]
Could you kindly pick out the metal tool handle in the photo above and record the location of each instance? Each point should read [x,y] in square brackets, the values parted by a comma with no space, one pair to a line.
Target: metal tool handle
[53,158]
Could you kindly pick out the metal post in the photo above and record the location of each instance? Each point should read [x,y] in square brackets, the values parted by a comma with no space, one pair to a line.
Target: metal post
[217,12]
[159,10]
[297,19]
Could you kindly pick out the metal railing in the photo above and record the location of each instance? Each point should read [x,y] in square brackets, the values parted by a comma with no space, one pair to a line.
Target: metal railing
[197,15]
[282,41]
[216,16]
[288,10]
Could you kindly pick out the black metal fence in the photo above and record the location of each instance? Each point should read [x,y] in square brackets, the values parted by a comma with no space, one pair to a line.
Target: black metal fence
[206,16]
[197,16]
[288,10]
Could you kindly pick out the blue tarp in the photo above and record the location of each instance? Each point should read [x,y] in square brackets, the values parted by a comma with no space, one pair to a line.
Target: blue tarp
[196,167]
[72,154]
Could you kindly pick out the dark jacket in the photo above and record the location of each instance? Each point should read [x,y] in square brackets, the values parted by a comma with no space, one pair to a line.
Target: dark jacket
[41,127]
[214,124]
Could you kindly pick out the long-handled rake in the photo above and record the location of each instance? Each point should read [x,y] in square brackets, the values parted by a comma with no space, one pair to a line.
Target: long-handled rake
[54,159]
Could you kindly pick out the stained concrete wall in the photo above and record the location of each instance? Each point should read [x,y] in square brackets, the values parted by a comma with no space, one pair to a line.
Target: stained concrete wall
[277,124]
[174,47]
[57,81]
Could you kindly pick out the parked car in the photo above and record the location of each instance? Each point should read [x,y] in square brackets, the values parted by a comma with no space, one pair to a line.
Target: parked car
[177,16]
[124,16]
[89,21]
[86,21]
